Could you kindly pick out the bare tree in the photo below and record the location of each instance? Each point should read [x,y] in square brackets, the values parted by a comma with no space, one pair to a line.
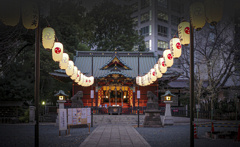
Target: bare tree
[214,51]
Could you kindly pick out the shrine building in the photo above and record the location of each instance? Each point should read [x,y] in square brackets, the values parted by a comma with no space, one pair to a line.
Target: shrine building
[114,77]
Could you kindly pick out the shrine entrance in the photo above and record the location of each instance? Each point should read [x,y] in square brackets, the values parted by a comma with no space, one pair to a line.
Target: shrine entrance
[115,96]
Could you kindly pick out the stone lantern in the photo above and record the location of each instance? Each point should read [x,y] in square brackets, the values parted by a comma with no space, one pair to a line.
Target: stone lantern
[61,100]
[168,120]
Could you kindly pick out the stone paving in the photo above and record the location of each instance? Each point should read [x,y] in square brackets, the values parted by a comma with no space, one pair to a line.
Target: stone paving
[114,136]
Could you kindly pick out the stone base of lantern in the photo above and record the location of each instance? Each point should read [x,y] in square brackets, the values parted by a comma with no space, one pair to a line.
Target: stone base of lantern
[168,120]
[152,118]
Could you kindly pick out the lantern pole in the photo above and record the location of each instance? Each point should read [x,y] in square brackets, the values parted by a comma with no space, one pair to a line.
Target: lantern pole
[37,80]
[191,84]
[138,88]
[92,98]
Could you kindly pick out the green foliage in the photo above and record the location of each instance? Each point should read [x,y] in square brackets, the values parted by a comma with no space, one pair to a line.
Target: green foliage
[112,27]
[25,117]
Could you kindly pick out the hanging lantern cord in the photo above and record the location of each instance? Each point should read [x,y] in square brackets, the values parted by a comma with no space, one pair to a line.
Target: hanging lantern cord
[47,22]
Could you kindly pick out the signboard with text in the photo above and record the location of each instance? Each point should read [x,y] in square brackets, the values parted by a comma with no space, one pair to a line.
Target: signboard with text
[62,119]
[79,116]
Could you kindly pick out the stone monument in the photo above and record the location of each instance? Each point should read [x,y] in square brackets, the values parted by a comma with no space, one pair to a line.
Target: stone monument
[77,100]
[61,100]
[152,114]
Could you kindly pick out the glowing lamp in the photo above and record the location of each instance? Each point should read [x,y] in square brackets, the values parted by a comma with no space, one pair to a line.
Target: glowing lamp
[48,37]
[63,64]
[168,57]
[30,15]
[175,47]
[69,70]
[75,73]
[184,32]
[57,51]
[162,67]
[213,11]
[168,96]
[158,72]
[197,15]
[10,12]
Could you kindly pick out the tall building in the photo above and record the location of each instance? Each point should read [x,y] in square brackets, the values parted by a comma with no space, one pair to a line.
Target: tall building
[157,21]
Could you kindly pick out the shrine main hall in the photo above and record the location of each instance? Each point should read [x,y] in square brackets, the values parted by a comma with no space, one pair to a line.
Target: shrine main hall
[115,77]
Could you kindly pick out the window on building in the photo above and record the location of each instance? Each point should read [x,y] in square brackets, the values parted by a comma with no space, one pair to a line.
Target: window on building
[146,31]
[163,3]
[135,7]
[162,31]
[175,20]
[174,32]
[148,45]
[162,44]
[145,3]
[176,63]
[135,21]
[162,16]
[146,17]
[177,7]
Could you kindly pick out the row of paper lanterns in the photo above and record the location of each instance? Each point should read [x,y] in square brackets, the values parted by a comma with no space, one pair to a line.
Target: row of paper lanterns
[10,13]
[199,13]
[48,42]
[163,63]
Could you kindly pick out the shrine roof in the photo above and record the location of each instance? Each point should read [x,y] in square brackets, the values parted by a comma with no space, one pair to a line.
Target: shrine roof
[83,60]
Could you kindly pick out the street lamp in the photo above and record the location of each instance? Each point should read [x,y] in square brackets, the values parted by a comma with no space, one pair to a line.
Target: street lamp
[44,106]
[92,96]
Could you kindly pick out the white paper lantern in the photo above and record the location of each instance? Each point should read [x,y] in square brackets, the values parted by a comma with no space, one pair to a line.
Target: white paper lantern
[69,70]
[144,80]
[213,11]
[175,47]
[184,32]
[149,78]
[153,75]
[158,72]
[78,76]
[57,51]
[75,73]
[63,64]
[91,80]
[162,65]
[168,57]
[10,12]
[48,37]
[30,15]
[137,80]
[81,79]
[140,81]
[197,15]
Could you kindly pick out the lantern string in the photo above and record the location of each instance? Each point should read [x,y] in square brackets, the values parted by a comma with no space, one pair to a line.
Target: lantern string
[47,22]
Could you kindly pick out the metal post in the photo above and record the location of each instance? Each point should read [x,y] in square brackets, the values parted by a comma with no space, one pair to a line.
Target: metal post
[191,85]
[138,89]
[138,113]
[37,82]
[236,109]
[92,98]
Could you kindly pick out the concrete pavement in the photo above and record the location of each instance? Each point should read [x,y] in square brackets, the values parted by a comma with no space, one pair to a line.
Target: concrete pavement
[115,135]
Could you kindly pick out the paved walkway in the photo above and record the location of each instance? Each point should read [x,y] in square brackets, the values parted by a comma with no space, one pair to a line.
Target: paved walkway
[115,136]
